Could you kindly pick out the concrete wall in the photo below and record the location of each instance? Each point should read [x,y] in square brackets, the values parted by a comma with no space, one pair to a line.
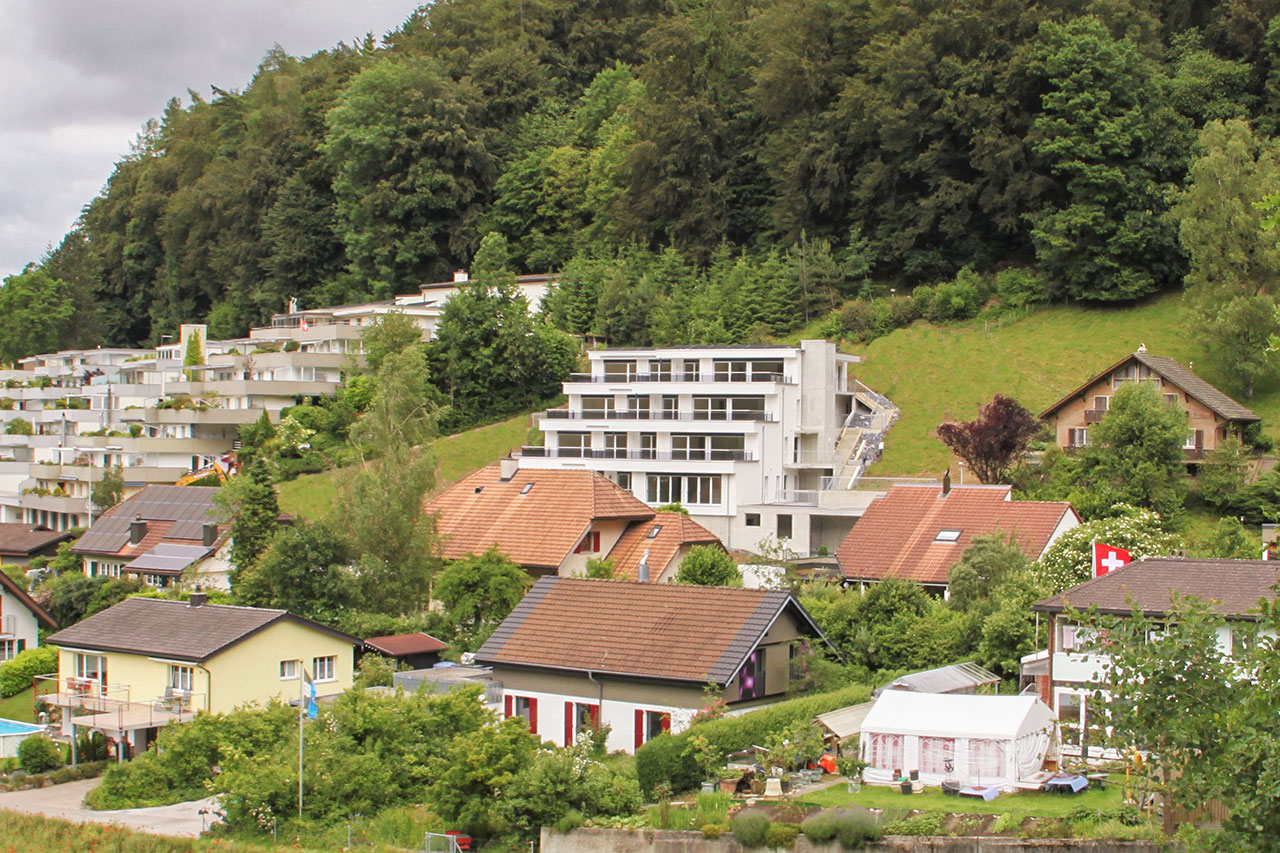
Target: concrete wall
[591,840]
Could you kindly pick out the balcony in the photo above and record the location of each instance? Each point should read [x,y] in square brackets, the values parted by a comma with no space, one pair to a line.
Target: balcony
[650,415]
[627,379]
[1093,416]
[658,455]
[108,707]
[8,626]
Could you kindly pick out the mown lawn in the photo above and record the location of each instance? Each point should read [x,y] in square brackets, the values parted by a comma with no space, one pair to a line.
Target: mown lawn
[940,373]
[312,495]
[20,707]
[1021,805]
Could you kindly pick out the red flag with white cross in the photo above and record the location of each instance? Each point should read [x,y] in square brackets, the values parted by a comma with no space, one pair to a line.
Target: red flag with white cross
[1108,558]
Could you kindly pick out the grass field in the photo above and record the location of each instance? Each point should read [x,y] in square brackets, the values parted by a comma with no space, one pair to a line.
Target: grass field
[934,374]
[312,495]
[20,707]
[1021,805]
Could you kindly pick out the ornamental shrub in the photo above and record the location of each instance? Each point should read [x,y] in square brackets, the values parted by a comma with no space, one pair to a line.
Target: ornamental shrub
[751,828]
[37,753]
[714,830]
[1021,288]
[856,829]
[16,673]
[1068,561]
[820,828]
[667,760]
[781,835]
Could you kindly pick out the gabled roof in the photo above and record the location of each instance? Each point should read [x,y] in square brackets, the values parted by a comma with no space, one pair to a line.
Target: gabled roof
[898,535]
[671,632]
[27,601]
[174,629]
[956,678]
[174,539]
[23,540]
[1177,375]
[1233,586]
[398,645]
[957,715]
[536,517]
[662,536]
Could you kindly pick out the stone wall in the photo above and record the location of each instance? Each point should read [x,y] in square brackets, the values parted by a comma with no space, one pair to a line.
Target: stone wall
[593,840]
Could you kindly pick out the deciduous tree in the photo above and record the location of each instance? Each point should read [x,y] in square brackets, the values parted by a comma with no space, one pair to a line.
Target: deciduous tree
[707,565]
[995,441]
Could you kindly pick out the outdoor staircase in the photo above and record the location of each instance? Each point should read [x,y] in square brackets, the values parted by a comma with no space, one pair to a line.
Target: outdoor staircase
[862,439]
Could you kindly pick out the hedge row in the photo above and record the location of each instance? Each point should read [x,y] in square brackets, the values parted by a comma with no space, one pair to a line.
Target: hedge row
[17,672]
[666,759]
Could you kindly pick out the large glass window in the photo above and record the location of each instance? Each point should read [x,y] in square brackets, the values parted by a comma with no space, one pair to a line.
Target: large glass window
[702,489]
[731,370]
[692,370]
[665,488]
[710,408]
[660,369]
[573,443]
[597,407]
[615,444]
[688,447]
[91,670]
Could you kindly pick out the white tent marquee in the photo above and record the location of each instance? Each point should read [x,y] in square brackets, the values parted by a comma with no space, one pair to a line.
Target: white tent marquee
[985,740]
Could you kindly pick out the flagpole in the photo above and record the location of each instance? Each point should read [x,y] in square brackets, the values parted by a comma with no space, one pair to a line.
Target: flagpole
[302,674]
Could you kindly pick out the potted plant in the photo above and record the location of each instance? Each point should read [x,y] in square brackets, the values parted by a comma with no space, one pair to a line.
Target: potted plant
[729,780]
[708,759]
[851,767]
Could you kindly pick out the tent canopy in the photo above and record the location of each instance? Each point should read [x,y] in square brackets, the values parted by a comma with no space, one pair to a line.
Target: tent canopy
[957,715]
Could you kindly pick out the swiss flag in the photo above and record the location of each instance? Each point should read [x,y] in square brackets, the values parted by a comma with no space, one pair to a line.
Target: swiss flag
[1108,558]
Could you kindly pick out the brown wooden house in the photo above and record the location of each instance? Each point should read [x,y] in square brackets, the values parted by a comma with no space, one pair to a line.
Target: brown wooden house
[1211,414]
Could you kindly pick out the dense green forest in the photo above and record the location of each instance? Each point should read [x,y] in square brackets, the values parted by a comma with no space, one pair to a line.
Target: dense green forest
[700,171]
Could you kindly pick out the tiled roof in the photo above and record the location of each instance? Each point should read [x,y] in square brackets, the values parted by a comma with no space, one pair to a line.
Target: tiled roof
[406,644]
[1178,375]
[667,631]
[897,535]
[42,615]
[673,529]
[25,539]
[1235,586]
[174,514]
[536,518]
[174,629]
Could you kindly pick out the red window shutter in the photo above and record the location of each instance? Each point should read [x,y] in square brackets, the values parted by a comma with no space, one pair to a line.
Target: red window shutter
[506,706]
[533,716]
[666,722]
[639,728]
[568,724]
[595,541]
[593,711]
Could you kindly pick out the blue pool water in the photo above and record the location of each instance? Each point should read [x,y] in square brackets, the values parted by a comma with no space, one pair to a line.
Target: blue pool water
[13,727]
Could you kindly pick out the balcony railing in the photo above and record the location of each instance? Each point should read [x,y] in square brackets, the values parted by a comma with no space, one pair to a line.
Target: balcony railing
[8,626]
[659,455]
[712,376]
[91,703]
[1093,416]
[652,415]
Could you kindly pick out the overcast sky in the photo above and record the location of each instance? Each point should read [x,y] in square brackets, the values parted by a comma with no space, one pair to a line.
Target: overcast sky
[78,78]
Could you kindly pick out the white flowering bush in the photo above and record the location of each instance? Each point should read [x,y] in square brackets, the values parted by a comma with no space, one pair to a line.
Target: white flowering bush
[1068,562]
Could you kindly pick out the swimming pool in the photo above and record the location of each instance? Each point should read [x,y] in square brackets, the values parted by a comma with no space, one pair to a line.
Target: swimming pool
[12,733]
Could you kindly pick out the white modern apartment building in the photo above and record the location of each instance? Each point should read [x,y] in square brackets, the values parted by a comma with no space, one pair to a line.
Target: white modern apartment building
[756,442]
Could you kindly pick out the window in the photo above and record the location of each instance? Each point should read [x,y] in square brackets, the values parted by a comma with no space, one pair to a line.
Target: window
[288,669]
[937,754]
[10,649]
[1171,399]
[1195,440]
[703,489]
[619,371]
[947,536]
[691,370]
[766,371]
[525,707]
[92,669]
[688,447]
[654,531]
[589,544]
[1077,437]
[597,407]
[753,519]
[670,406]
[751,679]
[1101,403]
[885,752]
[710,409]
[986,758]
[731,371]
[623,479]
[664,488]
[181,677]
[573,444]
[324,669]
[638,406]
[660,370]
[648,445]
[784,526]
[650,724]
[615,445]
[579,716]
[1242,639]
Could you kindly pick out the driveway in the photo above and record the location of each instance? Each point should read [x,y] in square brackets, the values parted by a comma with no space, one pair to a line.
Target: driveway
[67,801]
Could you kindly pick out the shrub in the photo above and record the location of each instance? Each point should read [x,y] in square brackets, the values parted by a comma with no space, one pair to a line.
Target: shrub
[925,823]
[820,828]
[857,319]
[955,300]
[666,759]
[781,835]
[856,829]
[714,830]
[37,754]
[751,828]
[1021,288]
[16,674]
[571,820]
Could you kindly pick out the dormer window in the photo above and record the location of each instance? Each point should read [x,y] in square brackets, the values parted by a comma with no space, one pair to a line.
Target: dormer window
[947,536]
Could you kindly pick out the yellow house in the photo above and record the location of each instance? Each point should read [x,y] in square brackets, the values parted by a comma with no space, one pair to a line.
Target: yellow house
[147,662]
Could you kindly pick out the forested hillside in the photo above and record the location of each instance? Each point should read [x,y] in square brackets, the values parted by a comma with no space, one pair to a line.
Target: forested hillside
[706,171]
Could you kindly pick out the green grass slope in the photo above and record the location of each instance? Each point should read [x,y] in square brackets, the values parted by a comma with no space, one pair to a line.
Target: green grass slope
[935,374]
[312,495]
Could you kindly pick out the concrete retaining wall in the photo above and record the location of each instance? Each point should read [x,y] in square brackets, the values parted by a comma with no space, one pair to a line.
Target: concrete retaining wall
[593,840]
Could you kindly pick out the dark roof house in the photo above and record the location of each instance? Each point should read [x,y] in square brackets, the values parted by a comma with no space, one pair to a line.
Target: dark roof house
[918,532]
[19,543]
[417,650]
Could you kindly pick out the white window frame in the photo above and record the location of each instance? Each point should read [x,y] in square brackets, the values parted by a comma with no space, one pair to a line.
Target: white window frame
[324,668]
[182,677]
[288,670]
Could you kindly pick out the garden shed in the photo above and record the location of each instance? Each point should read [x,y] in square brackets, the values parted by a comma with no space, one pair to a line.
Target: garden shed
[995,741]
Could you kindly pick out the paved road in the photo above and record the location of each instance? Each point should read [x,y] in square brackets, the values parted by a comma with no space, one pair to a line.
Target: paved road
[67,801]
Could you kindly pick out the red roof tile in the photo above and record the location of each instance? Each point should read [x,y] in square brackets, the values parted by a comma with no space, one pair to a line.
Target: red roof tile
[674,530]
[536,518]
[669,631]
[897,536]
[398,645]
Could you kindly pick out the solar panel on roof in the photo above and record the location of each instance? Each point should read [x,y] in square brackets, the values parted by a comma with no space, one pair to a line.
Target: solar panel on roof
[168,558]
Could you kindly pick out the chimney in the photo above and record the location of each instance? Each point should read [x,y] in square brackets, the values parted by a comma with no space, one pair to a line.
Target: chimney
[209,535]
[198,598]
[137,530]
[643,568]
[507,468]
[460,276]
[946,483]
